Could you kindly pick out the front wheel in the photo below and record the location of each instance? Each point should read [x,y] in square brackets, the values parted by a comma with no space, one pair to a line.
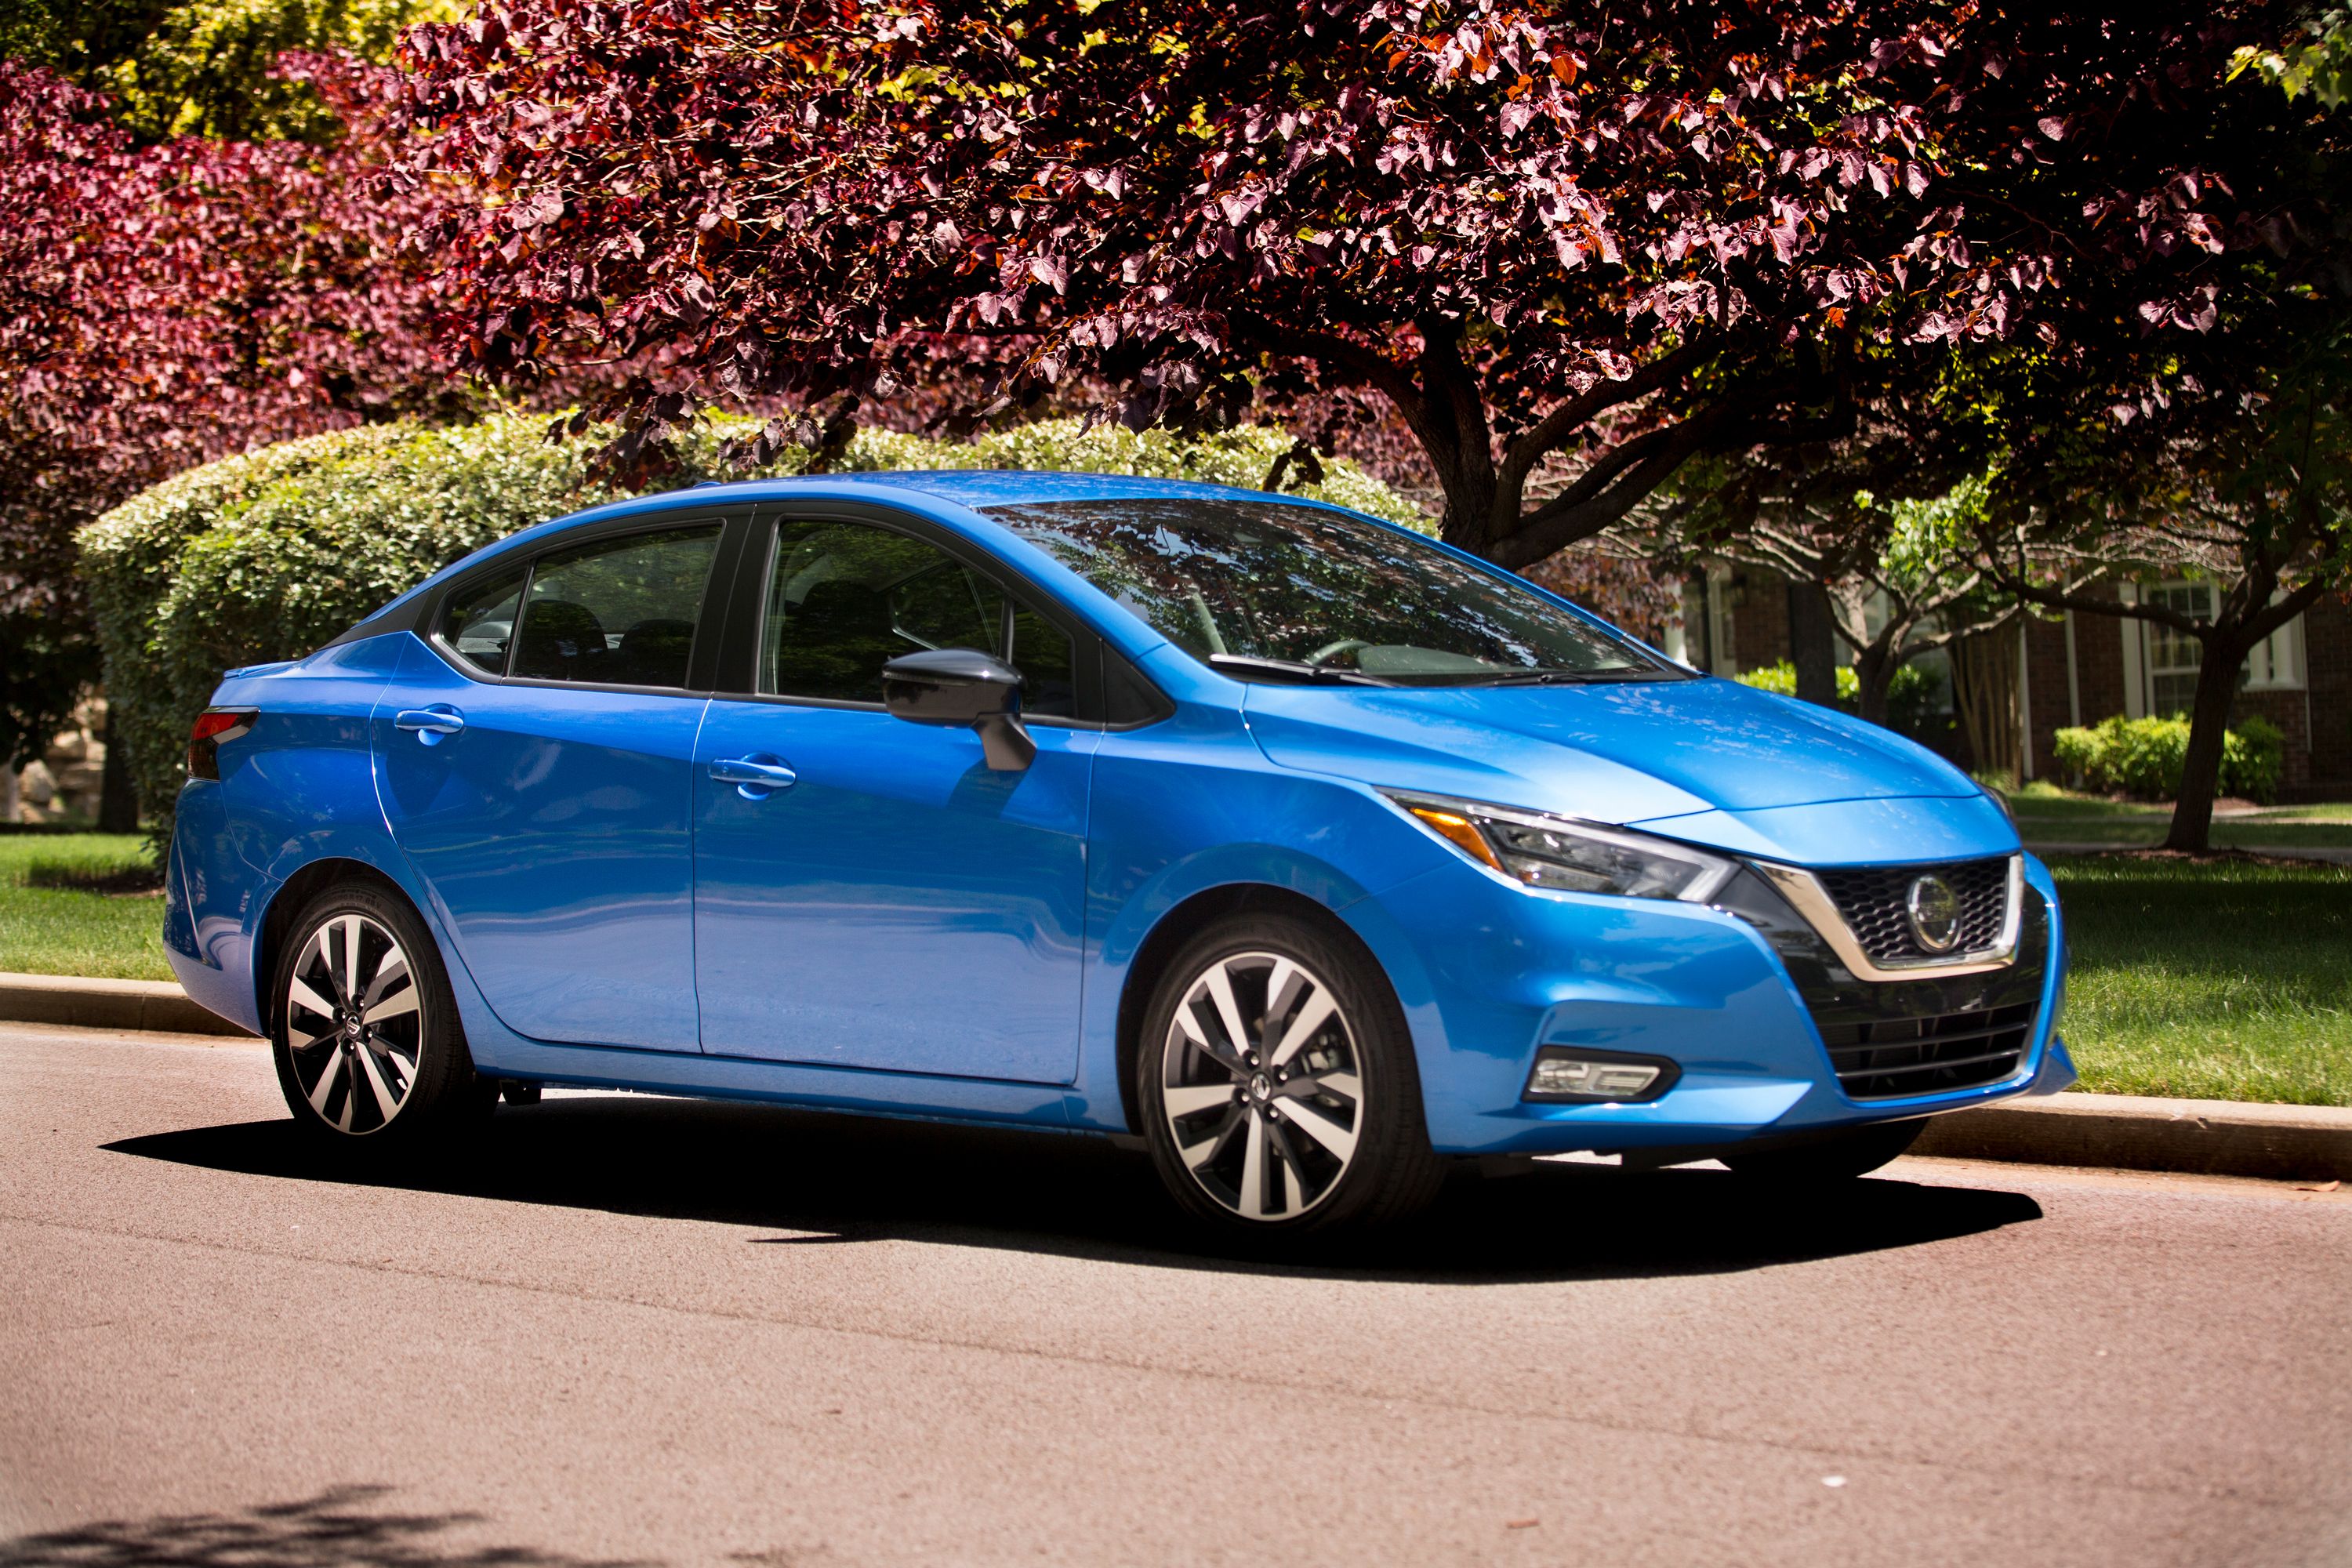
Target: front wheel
[1276,1084]
[365,1028]
[1839,1157]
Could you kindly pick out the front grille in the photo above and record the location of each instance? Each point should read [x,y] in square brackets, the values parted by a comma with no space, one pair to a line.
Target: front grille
[1873,901]
[1927,1033]
[1893,1058]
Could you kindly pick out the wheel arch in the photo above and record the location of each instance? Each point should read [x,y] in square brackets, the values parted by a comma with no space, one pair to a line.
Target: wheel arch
[278,918]
[1187,919]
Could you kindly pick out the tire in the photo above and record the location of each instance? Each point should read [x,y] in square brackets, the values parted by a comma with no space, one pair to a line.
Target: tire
[1840,1157]
[391,1072]
[1310,1122]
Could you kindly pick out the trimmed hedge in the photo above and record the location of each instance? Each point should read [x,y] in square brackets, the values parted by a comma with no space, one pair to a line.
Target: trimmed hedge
[268,555]
[2143,758]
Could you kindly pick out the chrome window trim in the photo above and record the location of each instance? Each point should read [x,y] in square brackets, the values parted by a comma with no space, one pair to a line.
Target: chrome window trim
[1804,891]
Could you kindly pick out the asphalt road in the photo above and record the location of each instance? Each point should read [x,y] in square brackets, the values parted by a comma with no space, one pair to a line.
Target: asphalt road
[641,1330]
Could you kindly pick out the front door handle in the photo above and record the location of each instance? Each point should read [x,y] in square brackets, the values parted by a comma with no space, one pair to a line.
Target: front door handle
[430,724]
[755,777]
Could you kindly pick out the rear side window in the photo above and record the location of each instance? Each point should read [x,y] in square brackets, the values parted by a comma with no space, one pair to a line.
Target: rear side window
[845,598]
[619,612]
[479,621]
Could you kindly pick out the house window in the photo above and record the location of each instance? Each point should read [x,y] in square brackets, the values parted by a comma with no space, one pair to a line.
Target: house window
[2173,656]
[2170,658]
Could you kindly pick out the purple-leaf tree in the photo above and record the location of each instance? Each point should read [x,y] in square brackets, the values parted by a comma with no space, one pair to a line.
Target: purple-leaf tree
[1571,248]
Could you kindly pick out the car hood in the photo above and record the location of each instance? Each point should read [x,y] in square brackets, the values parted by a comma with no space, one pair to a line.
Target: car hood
[1706,751]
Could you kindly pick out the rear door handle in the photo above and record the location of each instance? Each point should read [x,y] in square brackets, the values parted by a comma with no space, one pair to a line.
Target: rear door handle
[430,724]
[755,777]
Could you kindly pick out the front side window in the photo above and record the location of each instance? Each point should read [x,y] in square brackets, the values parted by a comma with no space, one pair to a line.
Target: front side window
[618,612]
[1269,591]
[847,598]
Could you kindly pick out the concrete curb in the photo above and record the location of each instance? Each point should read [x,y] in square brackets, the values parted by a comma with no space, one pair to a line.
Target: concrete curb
[2205,1137]
[106,1005]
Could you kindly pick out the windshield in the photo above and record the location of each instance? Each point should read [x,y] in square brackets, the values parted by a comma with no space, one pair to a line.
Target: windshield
[1266,591]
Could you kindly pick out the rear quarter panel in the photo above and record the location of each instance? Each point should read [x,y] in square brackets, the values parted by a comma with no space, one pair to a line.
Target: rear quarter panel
[299,788]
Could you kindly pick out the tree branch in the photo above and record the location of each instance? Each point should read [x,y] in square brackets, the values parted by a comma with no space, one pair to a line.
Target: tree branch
[1551,432]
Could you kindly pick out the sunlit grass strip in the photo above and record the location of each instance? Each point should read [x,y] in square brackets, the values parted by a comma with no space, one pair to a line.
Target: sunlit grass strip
[2211,981]
[66,926]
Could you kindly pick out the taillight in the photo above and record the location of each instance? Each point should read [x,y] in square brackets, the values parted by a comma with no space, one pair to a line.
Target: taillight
[214,725]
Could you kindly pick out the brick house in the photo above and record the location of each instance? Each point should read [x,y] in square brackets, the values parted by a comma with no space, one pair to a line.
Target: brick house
[2081,668]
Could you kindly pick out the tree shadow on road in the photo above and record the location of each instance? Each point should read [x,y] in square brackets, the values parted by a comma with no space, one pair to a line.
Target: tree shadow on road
[340,1528]
[828,1179]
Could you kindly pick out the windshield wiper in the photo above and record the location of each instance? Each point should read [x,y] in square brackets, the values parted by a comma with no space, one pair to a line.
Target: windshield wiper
[1295,669]
[1567,678]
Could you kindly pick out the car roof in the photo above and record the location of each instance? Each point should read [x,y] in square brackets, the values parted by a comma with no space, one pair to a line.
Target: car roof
[981,488]
[970,489]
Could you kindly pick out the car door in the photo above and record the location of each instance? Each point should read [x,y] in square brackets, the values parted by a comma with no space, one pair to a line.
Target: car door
[536,764]
[867,892]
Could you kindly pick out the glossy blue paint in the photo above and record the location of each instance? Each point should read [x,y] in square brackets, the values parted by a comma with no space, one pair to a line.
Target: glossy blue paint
[898,905]
[552,831]
[1611,753]
[854,913]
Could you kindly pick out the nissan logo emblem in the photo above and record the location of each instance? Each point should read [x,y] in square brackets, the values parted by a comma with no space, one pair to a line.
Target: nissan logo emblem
[1935,911]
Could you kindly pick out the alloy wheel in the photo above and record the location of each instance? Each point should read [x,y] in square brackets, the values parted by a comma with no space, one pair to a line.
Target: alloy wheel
[353,1030]
[1261,1086]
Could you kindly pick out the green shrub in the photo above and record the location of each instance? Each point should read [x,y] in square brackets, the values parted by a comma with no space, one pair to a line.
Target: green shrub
[1915,701]
[1914,693]
[2144,758]
[2077,750]
[2251,756]
[1781,680]
[267,555]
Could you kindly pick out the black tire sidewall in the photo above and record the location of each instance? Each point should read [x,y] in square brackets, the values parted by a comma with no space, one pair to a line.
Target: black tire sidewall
[1393,1173]
[447,1087]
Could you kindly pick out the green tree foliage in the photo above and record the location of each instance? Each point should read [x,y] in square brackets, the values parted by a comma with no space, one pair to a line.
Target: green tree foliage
[2144,758]
[2318,61]
[204,67]
[267,555]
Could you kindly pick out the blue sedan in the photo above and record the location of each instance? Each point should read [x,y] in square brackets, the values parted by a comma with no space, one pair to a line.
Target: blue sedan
[1309,853]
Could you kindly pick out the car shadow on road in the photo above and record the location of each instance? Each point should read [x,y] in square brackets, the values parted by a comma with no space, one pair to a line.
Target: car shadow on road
[338,1528]
[828,1180]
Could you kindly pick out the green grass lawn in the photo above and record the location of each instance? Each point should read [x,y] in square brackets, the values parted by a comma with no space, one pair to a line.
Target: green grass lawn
[2213,981]
[2050,815]
[61,912]
[2219,980]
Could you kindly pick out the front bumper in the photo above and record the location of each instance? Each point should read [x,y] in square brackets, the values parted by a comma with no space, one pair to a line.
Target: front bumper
[1489,973]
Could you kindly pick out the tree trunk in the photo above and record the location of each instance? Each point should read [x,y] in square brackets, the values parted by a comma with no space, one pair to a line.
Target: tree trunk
[118,798]
[1812,645]
[2208,724]
[1873,672]
[1984,688]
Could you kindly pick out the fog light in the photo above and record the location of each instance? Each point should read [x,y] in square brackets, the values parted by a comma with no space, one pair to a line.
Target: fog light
[1565,1075]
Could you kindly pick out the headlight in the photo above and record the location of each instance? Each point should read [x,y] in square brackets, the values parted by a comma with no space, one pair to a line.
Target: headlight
[1572,856]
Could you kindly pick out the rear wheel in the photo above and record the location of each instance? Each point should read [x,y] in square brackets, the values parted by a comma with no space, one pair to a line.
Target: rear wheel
[1276,1084]
[365,1029]
[1840,1157]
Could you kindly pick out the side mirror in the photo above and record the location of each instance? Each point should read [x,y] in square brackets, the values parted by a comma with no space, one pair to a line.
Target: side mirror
[957,689]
